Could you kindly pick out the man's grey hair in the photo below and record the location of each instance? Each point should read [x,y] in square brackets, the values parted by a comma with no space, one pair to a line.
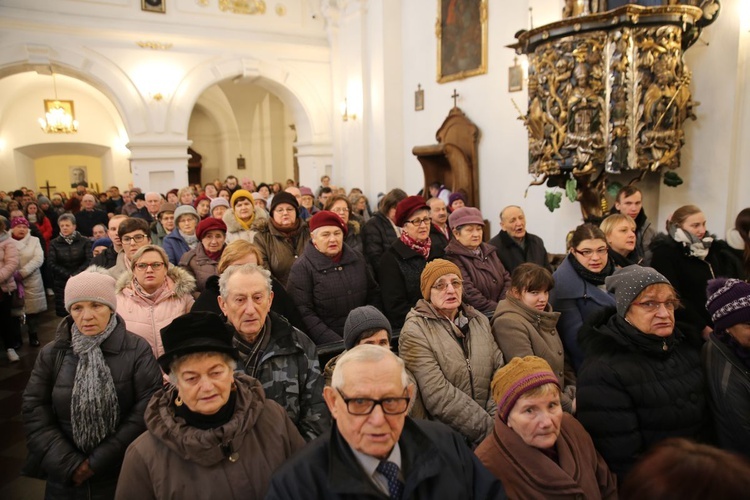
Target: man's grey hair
[153,194]
[241,269]
[68,217]
[365,353]
[433,200]
[506,208]
[89,195]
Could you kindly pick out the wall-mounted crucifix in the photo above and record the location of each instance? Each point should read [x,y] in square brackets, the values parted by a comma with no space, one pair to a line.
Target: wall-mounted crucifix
[454,96]
[47,188]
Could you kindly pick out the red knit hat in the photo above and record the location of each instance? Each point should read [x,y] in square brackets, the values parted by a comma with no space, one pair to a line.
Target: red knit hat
[326,218]
[200,199]
[407,207]
[210,224]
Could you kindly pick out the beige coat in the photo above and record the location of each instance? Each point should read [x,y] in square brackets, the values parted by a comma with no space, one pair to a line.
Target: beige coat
[453,374]
[522,331]
[235,231]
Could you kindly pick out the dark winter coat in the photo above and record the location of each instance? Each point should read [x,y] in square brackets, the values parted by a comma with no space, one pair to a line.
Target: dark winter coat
[354,235]
[200,265]
[176,460]
[436,464]
[377,236]
[290,373]
[399,273]
[485,279]
[277,251]
[282,305]
[87,219]
[66,261]
[512,255]
[636,389]
[438,238]
[107,259]
[689,276]
[326,291]
[576,300]
[530,474]
[47,412]
[175,246]
[729,385]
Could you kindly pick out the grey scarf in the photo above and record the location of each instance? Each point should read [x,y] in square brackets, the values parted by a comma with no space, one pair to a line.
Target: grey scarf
[94,407]
[190,239]
[70,238]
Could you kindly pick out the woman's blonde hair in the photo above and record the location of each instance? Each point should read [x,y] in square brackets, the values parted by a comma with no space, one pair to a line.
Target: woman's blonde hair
[149,248]
[608,225]
[235,251]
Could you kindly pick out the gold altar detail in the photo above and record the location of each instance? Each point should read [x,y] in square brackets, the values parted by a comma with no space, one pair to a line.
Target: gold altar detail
[250,7]
[608,93]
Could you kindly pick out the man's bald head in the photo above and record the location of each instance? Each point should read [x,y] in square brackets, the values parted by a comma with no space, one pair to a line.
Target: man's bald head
[513,221]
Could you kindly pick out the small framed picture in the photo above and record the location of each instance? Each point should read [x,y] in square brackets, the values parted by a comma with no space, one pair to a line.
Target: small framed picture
[515,78]
[240,163]
[154,6]
[419,99]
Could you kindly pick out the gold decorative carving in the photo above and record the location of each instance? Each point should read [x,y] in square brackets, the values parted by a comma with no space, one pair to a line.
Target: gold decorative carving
[280,9]
[148,44]
[249,7]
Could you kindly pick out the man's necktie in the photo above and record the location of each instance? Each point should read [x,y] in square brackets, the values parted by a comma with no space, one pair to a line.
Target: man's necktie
[390,471]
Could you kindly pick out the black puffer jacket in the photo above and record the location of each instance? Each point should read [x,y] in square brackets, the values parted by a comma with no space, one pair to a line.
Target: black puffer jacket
[690,275]
[107,259]
[46,412]
[398,274]
[512,255]
[66,261]
[326,291]
[377,236]
[636,389]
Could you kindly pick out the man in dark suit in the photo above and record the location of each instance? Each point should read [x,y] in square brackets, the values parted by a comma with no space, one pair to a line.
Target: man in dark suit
[375,450]
[514,245]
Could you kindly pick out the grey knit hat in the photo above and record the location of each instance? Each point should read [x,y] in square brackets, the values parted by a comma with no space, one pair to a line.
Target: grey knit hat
[185,210]
[627,283]
[362,319]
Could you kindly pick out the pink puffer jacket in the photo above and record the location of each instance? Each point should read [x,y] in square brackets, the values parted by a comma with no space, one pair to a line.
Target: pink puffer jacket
[8,264]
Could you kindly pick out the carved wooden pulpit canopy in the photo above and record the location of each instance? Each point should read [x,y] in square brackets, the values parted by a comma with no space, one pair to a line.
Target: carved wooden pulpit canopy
[453,160]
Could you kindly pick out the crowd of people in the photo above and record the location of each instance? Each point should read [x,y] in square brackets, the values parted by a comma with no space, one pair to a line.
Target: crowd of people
[193,324]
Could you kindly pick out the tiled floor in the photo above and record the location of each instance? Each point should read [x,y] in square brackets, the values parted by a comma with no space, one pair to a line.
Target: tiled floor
[13,378]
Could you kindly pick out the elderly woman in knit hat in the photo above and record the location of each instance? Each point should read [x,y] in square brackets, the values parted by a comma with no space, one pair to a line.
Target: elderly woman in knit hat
[456,200]
[537,450]
[282,237]
[726,360]
[212,433]
[641,380]
[485,279]
[31,258]
[85,399]
[153,293]
[449,348]
[366,325]
[182,239]
[218,207]
[330,279]
[201,261]
[402,263]
[241,215]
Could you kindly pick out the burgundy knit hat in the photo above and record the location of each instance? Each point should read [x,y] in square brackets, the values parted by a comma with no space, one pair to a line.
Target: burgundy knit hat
[200,199]
[19,221]
[456,196]
[728,302]
[210,224]
[516,378]
[407,207]
[326,218]
[305,191]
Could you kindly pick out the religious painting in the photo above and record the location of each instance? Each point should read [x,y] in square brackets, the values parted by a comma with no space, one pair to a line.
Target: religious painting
[515,78]
[461,31]
[154,6]
[419,99]
[78,174]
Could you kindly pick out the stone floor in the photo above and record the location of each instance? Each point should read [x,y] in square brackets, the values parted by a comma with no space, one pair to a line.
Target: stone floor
[13,378]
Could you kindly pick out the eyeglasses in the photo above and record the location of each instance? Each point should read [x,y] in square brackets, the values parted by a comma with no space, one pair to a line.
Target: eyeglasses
[285,210]
[587,253]
[442,285]
[364,406]
[129,239]
[142,266]
[653,306]
[419,222]
[340,210]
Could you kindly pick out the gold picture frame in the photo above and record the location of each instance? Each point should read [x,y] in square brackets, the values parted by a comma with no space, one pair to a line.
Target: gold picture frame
[461,31]
[67,106]
[159,6]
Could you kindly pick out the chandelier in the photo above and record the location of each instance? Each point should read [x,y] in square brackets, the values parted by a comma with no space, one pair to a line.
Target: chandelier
[59,116]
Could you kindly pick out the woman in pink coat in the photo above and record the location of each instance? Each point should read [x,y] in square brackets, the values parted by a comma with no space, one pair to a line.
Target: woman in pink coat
[8,265]
[152,294]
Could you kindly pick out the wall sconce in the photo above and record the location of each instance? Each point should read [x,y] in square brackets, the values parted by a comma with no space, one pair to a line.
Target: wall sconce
[345,115]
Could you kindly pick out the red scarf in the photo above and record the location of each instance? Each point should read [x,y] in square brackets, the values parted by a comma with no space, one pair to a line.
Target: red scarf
[214,256]
[421,247]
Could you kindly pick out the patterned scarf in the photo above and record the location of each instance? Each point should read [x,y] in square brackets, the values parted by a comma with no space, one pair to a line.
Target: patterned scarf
[94,407]
[698,248]
[421,247]
[70,238]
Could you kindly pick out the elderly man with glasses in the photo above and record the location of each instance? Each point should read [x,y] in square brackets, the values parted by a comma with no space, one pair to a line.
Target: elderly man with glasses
[374,450]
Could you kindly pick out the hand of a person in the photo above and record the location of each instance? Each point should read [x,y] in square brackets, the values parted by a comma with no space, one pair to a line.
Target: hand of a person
[83,473]
[706,332]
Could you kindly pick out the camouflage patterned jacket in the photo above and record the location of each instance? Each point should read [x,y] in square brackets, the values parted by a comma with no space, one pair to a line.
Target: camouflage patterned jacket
[290,373]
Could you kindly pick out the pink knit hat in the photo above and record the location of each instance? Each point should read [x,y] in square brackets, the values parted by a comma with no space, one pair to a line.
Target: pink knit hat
[91,286]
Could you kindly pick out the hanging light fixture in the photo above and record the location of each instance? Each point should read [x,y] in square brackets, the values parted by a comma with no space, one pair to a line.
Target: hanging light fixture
[59,115]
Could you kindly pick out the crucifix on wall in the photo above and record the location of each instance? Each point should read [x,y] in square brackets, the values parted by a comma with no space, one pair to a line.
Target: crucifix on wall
[455,96]
[47,188]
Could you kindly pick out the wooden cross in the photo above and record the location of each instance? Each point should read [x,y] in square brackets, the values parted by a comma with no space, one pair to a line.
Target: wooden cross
[47,188]
[454,96]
